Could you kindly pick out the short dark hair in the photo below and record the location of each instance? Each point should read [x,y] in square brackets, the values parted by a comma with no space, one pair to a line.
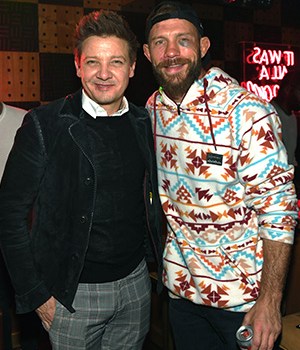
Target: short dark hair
[172,9]
[104,24]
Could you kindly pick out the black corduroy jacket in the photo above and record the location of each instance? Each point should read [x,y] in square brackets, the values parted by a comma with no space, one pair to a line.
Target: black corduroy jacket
[50,178]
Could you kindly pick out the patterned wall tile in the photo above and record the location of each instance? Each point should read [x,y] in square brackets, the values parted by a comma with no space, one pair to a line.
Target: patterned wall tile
[58,75]
[31,1]
[18,26]
[45,27]
[63,2]
[114,5]
[56,27]
[121,5]
[19,76]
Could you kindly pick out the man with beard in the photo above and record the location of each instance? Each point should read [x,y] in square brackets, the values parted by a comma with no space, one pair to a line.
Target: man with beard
[226,189]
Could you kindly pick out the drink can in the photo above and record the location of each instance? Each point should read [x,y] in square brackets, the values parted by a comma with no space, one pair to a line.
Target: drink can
[244,337]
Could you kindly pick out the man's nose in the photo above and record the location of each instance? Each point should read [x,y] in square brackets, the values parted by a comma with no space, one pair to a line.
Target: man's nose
[104,72]
[172,49]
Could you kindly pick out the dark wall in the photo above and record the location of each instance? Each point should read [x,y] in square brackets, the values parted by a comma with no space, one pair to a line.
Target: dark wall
[36,41]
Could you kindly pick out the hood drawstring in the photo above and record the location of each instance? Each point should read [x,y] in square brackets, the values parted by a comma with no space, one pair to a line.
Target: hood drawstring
[155,119]
[201,99]
[206,98]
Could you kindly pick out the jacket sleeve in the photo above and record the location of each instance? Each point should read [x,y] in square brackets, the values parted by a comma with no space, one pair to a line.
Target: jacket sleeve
[18,191]
[268,178]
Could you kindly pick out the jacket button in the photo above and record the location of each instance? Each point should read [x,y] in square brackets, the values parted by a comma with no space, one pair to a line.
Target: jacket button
[83,219]
[74,256]
[88,180]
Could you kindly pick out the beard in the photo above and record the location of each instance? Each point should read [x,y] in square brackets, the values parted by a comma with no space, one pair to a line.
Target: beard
[177,85]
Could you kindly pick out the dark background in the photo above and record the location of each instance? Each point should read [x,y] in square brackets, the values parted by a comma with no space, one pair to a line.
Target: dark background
[36,41]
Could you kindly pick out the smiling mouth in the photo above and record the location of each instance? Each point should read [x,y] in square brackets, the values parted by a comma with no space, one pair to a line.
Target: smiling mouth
[174,66]
[173,63]
[103,86]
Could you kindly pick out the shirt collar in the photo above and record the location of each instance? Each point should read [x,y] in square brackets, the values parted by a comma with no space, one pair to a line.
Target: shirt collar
[95,110]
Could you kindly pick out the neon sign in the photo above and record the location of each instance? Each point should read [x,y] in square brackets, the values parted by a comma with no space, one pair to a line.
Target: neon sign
[265,65]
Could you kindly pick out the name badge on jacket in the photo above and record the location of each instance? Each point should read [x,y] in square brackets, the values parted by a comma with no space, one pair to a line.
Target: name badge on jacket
[214,158]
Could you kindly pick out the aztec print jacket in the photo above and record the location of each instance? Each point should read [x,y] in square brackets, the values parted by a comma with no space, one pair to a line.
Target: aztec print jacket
[225,185]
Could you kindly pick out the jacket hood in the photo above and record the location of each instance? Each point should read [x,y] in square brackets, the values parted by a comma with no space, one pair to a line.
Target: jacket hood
[204,94]
[205,89]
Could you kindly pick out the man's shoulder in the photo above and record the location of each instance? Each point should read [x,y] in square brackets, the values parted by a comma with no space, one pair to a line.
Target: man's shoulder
[57,107]
[137,110]
[52,105]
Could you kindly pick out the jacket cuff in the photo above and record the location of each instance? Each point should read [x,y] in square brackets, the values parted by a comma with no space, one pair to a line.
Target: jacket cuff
[32,300]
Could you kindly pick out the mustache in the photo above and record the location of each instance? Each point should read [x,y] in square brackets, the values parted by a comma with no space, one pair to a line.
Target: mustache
[172,61]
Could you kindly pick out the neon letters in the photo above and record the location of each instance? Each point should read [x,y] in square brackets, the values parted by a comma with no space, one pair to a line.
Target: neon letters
[268,66]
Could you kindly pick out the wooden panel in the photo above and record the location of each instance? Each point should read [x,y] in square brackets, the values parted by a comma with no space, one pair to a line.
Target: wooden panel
[18,26]
[114,5]
[56,27]
[32,1]
[121,5]
[290,332]
[19,76]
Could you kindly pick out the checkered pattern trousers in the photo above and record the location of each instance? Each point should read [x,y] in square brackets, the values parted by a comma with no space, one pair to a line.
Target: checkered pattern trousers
[108,316]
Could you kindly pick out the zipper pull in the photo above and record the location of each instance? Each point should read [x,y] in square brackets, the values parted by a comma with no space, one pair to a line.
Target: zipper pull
[178,108]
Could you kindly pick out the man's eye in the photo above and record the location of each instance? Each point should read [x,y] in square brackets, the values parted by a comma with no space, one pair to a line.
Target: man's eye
[158,42]
[117,62]
[91,62]
[184,42]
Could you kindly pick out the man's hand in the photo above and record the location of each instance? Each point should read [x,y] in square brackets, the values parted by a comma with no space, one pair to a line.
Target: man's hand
[46,313]
[265,316]
[265,319]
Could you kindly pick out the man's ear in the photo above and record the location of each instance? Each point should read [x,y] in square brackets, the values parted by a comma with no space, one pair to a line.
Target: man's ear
[146,51]
[132,69]
[77,66]
[204,45]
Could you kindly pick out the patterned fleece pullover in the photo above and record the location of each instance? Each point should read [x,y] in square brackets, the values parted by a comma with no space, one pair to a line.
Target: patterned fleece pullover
[225,185]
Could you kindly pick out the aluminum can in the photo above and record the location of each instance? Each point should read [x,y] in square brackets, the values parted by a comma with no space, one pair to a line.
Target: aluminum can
[244,337]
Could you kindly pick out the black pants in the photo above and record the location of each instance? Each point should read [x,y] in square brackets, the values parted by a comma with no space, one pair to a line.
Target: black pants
[30,325]
[197,327]
[6,302]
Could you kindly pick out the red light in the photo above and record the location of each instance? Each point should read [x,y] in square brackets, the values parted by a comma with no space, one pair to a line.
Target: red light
[270,66]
